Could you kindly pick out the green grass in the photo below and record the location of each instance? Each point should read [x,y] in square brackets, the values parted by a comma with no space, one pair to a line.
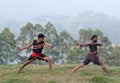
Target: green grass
[60,74]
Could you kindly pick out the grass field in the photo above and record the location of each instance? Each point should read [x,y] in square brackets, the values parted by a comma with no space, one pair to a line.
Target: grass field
[60,74]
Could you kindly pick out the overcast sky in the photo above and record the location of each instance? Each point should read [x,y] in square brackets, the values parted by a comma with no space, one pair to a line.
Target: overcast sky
[27,9]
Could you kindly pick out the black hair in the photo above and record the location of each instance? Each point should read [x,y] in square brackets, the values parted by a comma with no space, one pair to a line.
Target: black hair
[94,36]
[41,35]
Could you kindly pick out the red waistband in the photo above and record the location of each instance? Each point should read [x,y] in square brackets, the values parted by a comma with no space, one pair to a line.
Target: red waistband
[35,54]
[93,52]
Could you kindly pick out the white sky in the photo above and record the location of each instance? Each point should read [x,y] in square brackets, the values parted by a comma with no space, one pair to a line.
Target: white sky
[27,9]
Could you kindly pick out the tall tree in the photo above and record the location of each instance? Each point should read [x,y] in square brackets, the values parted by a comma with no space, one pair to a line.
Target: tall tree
[7,48]
[51,37]
[66,42]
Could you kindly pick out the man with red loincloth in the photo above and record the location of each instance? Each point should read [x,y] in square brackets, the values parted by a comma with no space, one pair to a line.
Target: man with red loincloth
[38,45]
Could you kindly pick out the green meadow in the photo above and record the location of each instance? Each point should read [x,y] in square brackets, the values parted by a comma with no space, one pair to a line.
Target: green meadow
[60,74]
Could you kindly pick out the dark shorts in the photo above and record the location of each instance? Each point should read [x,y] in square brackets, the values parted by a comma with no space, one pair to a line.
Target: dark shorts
[91,58]
[41,57]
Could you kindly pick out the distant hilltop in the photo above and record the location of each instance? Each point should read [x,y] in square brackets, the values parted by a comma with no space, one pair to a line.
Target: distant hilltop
[109,25]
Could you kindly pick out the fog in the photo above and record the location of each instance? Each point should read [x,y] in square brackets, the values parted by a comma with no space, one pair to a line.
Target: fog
[27,9]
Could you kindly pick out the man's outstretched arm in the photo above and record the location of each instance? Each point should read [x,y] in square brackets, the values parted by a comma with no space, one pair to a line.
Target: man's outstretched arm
[82,45]
[87,44]
[27,46]
[98,44]
[49,45]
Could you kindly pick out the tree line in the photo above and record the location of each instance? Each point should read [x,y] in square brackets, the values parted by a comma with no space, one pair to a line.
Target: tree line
[64,49]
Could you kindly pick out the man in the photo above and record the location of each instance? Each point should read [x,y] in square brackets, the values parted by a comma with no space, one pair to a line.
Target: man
[37,52]
[92,55]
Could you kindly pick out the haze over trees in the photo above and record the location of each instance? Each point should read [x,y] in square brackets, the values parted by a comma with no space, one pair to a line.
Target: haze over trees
[109,25]
[64,45]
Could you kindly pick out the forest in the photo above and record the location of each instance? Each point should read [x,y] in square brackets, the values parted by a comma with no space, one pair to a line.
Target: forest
[64,49]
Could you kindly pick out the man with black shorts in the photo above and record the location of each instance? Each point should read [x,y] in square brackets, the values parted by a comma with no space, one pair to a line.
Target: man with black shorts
[38,45]
[92,55]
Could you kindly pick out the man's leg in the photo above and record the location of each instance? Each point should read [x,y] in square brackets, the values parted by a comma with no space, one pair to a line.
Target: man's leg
[85,62]
[49,61]
[25,64]
[103,67]
[78,67]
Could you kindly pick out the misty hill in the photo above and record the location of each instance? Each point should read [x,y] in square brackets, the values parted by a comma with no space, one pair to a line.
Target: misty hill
[107,24]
